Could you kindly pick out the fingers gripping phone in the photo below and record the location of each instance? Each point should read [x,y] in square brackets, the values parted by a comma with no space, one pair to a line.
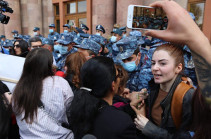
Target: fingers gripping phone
[145,17]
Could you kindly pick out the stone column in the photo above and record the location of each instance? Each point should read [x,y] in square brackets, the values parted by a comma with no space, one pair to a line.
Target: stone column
[2,29]
[122,10]
[34,8]
[15,19]
[45,17]
[24,17]
[50,12]
[103,12]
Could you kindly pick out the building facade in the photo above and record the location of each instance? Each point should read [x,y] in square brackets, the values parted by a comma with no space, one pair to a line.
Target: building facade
[109,12]
[30,13]
[27,15]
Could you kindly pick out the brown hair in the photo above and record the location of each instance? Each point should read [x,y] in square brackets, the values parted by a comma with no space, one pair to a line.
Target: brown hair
[74,63]
[123,79]
[201,116]
[174,51]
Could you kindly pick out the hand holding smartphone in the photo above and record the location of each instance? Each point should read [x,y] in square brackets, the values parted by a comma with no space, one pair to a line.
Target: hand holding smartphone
[145,17]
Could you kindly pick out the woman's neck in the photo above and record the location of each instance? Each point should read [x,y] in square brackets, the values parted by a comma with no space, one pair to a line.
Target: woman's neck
[167,85]
[109,98]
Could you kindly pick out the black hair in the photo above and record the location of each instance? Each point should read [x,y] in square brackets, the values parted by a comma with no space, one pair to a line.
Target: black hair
[28,91]
[34,39]
[23,46]
[98,73]
[136,51]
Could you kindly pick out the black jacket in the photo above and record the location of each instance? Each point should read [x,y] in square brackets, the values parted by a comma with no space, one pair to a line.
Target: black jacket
[167,129]
[112,123]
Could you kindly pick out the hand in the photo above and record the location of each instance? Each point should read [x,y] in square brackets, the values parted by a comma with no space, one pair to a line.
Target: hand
[141,109]
[141,122]
[181,27]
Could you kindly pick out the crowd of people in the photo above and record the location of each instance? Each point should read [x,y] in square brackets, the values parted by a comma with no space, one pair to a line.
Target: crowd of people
[80,85]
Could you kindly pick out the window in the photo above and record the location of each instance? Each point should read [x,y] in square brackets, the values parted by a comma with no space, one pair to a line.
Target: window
[82,21]
[81,6]
[71,8]
[57,9]
[197,8]
[76,12]
[71,22]
[58,25]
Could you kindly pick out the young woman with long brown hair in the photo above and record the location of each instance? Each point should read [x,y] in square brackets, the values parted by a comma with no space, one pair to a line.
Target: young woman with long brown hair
[167,65]
[40,99]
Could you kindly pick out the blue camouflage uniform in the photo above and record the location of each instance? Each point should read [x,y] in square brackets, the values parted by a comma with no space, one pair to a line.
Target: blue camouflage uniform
[100,40]
[26,37]
[51,43]
[89,44]
[65,40]
[53,35]
[125,49]
[35,30]
[189,70]
[5,46]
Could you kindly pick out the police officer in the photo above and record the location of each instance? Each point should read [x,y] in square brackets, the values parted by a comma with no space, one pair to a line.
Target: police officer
[114,39]
[53,35]
[84,28]
[124,32]
[102,41]
[100,30]
[49,44]
[189,70]
[37,33]
[89,48]
[116,26]
[6,47]
[64,48]
[66,28]
[117,35]
[3,39]
[14,32]
[129,57]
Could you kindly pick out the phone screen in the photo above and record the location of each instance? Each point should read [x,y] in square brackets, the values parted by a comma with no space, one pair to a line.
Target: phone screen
[149,18]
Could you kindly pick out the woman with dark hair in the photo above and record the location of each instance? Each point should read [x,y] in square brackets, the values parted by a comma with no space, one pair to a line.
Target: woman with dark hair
[21,48]
[91,111]
[167,65]
[40,99]
[73,65]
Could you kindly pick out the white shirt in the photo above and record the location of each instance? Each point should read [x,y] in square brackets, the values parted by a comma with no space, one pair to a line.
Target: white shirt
[56,95]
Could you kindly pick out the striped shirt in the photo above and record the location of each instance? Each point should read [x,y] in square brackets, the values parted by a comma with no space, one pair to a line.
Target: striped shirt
[56,95]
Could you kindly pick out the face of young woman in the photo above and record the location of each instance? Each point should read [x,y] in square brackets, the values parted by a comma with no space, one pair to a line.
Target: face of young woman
[17,48]
[163,67]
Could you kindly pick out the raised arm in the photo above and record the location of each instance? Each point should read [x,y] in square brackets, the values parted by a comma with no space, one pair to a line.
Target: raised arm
[183,30]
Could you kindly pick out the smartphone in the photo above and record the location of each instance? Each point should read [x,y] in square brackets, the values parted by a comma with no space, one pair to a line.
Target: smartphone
[145,17]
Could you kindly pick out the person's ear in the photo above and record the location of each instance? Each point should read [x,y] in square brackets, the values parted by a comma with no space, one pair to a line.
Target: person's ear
[138,58]
[113,86]
[65,68]
[101,49]
[179,68]
[125,94]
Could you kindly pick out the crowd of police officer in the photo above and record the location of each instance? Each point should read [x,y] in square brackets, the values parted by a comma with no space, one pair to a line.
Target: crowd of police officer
[131,50]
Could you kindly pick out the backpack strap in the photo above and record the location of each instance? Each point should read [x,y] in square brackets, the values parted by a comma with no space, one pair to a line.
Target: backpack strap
[177,101]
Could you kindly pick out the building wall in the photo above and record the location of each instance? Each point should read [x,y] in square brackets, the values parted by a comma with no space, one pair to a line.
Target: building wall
[28,14]
[103,13]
